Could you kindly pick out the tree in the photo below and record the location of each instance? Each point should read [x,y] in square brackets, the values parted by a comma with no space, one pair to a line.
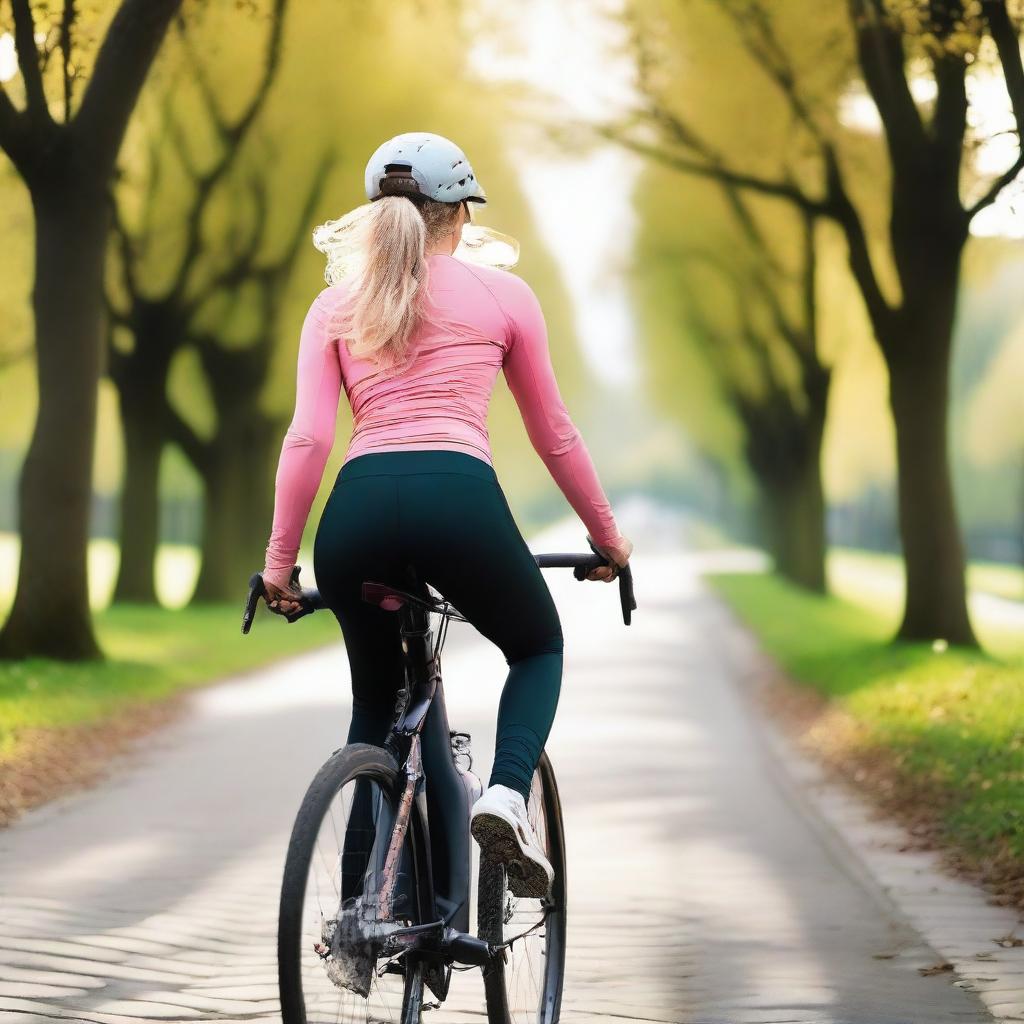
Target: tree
[150,325]
[768,368]
[929,221]
[236,460]
[66,163]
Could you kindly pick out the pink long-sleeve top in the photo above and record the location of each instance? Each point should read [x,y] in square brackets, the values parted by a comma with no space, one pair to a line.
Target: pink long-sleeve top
[480,320]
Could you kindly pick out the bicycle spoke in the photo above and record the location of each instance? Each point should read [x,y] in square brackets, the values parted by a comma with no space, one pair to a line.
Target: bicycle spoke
[532,930]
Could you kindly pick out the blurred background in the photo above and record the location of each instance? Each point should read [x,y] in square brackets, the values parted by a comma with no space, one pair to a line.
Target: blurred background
[778,247]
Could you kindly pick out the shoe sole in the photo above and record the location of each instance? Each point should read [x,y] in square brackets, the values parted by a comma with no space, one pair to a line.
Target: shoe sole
[498,842]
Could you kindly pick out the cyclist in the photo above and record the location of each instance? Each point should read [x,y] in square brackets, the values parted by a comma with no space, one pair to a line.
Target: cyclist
[416,337]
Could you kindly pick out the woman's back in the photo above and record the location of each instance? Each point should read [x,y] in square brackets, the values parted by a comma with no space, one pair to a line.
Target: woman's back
[478,320]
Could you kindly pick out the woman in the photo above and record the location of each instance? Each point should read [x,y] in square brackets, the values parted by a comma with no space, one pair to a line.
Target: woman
[416,338]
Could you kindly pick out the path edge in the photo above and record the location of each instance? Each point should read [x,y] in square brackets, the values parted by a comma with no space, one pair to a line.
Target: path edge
[952,915]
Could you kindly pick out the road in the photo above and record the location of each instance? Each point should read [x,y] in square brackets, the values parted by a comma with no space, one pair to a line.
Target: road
[699,890]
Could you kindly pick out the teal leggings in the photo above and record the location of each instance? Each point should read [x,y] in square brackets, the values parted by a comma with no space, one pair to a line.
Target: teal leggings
[440,517]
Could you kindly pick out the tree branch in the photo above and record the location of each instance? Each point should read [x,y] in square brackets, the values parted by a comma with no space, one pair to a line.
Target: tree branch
[809,285]
[949,120]
[28,61]
[714,172]
[880,50]
[124,60]
[231,138]
[1005,37]
[67,21]
[840,208]
[182,434]
[754,25]
[126,245]
[12,128]
[231,134]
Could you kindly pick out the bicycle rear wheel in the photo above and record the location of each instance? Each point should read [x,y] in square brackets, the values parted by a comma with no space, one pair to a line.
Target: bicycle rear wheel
[331,885]
[525,986]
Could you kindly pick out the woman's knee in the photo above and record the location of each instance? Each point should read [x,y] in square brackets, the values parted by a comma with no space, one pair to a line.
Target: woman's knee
[547,643]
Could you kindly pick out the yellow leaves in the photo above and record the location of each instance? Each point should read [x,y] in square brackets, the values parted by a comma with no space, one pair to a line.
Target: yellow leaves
[938,37]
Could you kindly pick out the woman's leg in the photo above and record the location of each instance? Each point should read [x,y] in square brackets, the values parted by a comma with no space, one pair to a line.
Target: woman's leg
[444,514]
[468,546]
[355,542]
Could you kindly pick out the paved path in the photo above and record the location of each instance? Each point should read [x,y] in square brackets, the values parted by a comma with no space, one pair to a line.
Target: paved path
[699,892]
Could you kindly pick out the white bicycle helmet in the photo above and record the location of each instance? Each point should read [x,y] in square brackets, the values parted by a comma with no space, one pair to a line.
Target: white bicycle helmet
[422,164]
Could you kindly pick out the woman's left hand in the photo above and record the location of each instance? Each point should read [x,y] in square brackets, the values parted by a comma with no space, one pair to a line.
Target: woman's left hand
[282,600]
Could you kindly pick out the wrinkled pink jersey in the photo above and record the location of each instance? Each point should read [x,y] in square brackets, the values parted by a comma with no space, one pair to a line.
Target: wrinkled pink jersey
[485,320]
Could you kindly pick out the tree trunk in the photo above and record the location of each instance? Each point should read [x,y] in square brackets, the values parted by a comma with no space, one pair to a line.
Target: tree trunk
[50,616]
[793,511]
[141,380]
[140,502]
[918,360]
[238,478]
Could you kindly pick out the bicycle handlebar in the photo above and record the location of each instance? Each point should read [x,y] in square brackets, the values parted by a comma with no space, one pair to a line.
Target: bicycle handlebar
[581,564]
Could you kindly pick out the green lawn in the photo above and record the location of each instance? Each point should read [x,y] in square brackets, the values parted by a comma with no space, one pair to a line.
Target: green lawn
[151,652]
[953,718]
[1005,581]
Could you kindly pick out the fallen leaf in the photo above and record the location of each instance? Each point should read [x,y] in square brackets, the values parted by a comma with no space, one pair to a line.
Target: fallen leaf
[926,972]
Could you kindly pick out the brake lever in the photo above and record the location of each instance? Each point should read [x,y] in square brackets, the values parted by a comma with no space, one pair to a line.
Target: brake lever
[627,599]
[258,589]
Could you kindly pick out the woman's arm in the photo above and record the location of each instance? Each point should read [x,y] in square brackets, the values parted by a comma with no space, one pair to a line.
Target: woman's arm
[554,436]
[307,444]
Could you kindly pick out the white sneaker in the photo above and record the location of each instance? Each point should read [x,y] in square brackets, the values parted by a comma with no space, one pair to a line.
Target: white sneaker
[500,825]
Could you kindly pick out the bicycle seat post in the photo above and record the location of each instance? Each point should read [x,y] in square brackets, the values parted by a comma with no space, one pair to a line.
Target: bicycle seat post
[422,670]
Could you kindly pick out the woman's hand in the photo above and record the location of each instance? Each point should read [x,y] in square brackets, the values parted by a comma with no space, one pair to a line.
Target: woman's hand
[282,600]
[617,555]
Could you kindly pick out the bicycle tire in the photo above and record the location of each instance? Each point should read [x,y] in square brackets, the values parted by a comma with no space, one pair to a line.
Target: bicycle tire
[492,911]
[356,761]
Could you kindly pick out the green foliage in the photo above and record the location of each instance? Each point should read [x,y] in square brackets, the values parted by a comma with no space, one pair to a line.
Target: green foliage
[953,719]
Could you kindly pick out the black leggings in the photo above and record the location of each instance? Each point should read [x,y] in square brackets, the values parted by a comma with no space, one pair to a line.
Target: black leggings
[443,516]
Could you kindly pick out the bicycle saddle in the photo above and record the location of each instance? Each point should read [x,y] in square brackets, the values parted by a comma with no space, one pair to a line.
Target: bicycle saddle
[391,599]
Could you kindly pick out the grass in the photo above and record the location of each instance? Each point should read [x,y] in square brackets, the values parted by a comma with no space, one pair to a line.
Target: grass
[998,579]
[151,652]
[874,581]
[952,720]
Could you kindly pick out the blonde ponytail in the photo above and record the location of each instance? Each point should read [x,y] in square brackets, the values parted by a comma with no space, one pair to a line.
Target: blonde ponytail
[383,244]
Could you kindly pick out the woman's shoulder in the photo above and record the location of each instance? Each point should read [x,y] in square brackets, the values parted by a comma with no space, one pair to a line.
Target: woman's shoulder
[332,298]
[337,292]
[509,289]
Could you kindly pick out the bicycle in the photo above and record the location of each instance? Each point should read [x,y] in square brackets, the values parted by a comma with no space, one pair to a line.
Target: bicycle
[373,915]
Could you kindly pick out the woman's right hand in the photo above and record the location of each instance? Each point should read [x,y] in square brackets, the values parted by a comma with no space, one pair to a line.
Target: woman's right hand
[617,554]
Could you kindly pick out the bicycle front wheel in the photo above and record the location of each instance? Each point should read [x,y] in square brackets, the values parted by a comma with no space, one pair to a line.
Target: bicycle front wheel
[525,985]
[330,898]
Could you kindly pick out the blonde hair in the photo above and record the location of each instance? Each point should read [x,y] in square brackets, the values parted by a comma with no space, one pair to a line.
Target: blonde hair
[382,246]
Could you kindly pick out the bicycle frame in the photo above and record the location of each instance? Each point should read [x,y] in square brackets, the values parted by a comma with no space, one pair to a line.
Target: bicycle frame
[422,734]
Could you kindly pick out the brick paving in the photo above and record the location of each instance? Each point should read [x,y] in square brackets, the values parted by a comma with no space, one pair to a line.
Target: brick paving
[699,892]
